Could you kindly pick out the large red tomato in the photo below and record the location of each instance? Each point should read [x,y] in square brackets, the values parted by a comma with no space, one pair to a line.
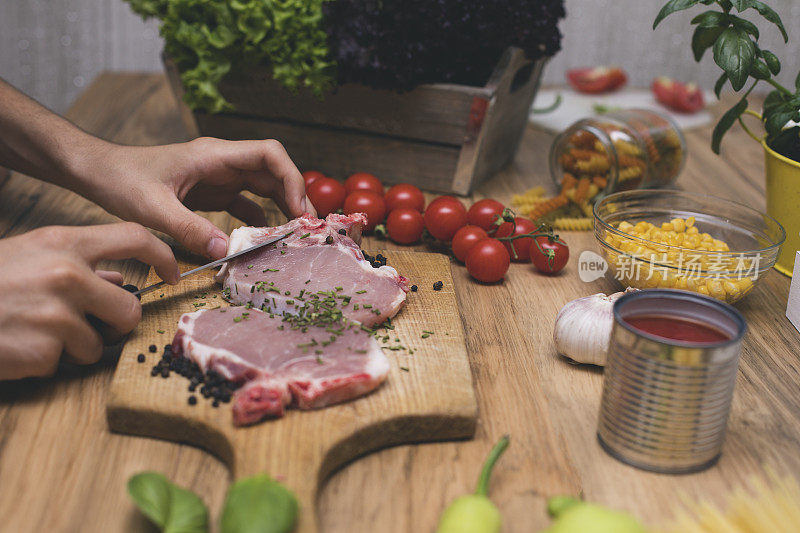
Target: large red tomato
[465,239]
[488,261]
[404,225]
[327,195]
[522,246]
[596,79]
[444,217]
[363,181]
[686,98]
[404,195]
[366,202]
[484,212]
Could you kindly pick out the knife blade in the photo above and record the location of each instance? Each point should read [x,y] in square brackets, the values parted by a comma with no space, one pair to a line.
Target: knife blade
[212,264]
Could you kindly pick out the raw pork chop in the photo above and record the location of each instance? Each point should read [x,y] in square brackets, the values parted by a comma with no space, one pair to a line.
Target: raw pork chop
[281,362]
[321,256]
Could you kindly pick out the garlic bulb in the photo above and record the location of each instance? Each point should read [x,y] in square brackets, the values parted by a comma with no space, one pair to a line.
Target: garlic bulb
[583,328]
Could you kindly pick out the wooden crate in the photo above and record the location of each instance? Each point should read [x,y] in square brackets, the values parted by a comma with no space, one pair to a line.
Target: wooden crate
[441,137]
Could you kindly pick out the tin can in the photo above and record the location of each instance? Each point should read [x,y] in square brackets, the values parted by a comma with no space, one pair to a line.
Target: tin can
[665,402]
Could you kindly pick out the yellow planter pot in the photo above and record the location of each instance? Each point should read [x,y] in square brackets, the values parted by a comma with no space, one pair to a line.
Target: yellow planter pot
[783,203]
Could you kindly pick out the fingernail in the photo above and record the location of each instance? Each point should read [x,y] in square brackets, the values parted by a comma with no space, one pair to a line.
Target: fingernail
[303,206]
[217,247]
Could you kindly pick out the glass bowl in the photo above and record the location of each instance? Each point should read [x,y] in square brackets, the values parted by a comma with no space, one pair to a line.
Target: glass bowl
[647,239]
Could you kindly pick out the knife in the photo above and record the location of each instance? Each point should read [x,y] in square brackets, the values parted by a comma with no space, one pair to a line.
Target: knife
[212,264]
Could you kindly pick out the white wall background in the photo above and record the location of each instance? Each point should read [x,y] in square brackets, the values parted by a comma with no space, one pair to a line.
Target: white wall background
[52,49]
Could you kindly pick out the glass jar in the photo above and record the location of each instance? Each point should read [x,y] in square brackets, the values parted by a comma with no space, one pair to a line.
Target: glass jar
[620,150]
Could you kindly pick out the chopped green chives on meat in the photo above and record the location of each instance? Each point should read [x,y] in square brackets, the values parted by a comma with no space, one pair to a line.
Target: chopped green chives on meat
[362,291]
[319,358]
[426,335]
[428,332]
[253,289]
[271,270]
[404,368]
[160,331]
[367,306]
[161,295]
[250,266]
[303,236]
[308,281]
[283,252]
[289,302]
[237,319]
[355,307]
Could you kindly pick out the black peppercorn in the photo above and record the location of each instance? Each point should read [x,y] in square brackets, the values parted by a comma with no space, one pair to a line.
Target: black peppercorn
[215,403]
[140,358]
[329,239]
[342,231]
[414,288]
[192,400]
[438,286]
[153,348]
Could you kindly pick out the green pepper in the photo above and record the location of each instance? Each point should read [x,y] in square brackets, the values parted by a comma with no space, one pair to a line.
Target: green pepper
[576,516]
[475,513]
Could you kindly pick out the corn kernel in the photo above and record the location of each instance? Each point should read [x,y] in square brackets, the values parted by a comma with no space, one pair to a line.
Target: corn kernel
[690,221]
[667,226]
[702,290]
[692,230]
[715,289]
[678,224]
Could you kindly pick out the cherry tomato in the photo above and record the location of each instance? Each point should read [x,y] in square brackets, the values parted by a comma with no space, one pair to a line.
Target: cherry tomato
[310,176]
[522,247]
[552,257]
[675,95]
[362,181]
[483,213]
[488,260]
[366,202]
[404,225]
[596,79]
[465,239]
[444,217]
[327,195]
[404,195]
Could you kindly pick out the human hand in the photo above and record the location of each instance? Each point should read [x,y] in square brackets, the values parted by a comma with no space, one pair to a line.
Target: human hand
[158,186]
[49,288]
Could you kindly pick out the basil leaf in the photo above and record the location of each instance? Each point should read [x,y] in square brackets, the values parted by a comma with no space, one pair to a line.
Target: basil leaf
[703,39]
[774,99]
[777,117]
[745,25]
[759,70]
[720,83]
[797,82]
[725,123]
[765,11]
[772,61]
[734,52]
[172,508]
[671,7]
[258,504]
[769,14]
[710,19]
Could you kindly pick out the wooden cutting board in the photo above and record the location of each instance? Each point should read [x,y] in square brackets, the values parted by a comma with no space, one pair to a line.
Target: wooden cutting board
[432,400]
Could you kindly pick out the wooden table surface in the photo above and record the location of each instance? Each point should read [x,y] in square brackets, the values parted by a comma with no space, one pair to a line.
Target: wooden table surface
[62,470]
